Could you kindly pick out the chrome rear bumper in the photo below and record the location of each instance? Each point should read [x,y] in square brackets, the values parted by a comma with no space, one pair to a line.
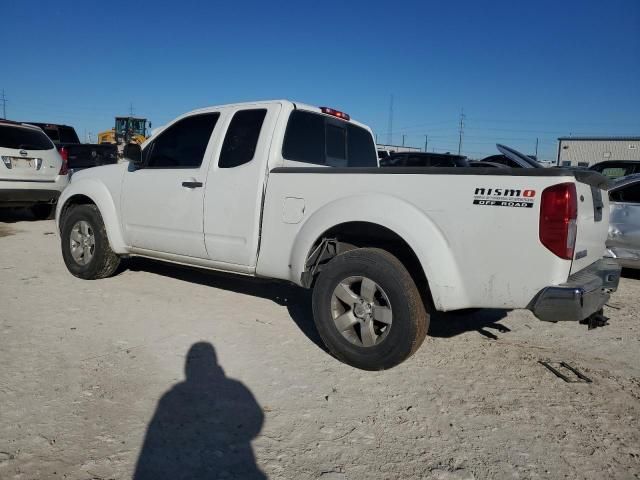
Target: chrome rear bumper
[584,293]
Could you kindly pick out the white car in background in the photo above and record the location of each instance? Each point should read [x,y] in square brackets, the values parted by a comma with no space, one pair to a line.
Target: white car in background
[32,172]
[623,243]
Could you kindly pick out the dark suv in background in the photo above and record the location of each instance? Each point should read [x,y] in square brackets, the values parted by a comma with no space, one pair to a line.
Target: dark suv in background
[423,159]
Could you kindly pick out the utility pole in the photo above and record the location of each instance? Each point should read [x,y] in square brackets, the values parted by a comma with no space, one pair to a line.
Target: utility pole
[536,148]
[461,130]
[131,109]
[4,105]
[426,143]
[403,139]
[390,134]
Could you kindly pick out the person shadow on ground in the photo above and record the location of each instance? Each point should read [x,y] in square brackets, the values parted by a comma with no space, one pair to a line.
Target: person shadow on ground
[202,427]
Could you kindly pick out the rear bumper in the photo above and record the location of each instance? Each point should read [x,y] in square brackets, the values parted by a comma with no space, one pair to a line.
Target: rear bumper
[584,293]
[21,198]
[23,193]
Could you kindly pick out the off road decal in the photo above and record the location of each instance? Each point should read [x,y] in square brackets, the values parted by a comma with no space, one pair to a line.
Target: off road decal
[504,197]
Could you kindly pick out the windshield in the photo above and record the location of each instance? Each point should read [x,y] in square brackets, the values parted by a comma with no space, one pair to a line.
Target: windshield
[24,138]
[518,157]
[138,125]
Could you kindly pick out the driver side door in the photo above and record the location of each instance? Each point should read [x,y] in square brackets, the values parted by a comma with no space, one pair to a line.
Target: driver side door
[162,202]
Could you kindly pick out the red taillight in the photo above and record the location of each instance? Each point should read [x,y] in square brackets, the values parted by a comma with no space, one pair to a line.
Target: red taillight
[335,113]
[64,169]
[558,213]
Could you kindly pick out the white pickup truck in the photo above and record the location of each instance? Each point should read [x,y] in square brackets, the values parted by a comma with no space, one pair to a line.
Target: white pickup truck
[293,192]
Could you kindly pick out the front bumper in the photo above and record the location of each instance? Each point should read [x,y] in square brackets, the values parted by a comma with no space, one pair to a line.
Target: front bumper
[584,293]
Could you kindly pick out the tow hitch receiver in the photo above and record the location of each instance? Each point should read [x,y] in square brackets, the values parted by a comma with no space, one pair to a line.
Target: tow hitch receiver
[595,320]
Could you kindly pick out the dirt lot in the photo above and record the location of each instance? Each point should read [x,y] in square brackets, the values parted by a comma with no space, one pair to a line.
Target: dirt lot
[93,384]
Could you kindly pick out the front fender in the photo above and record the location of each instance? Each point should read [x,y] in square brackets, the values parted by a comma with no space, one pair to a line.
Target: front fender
[427,241]
[99,194]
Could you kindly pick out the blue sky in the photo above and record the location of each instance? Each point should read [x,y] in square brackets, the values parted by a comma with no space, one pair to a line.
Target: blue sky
[519,69]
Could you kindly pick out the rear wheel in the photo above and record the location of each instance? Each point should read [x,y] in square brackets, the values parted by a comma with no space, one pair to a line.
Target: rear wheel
[368,309]
[85,246]
[42,211]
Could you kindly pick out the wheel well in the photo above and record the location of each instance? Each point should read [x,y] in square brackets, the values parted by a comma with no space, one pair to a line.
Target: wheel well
[348,236]
[75,200]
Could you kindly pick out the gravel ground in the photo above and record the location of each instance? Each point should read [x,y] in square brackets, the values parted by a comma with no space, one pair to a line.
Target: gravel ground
[167,372]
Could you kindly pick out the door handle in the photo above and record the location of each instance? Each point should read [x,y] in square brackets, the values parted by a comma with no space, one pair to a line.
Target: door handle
[192,184]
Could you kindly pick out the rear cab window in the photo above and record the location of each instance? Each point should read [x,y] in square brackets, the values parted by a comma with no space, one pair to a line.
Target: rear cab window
[24,138]
[322,140]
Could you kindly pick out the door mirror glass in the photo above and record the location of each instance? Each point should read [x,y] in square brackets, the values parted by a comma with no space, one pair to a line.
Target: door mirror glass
[133,153]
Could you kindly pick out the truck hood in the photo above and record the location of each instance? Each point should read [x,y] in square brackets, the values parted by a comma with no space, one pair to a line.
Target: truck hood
[101,172]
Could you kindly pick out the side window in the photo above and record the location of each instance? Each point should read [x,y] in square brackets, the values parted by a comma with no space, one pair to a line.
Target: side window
[183,144]
[443,162]
[316,139]
[393,161]
[362,151]
[613,172]
[628,194]
[241,140]
[417,161]
[304,138]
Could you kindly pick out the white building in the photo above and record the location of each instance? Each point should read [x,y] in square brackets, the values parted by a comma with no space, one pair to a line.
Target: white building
[587,151]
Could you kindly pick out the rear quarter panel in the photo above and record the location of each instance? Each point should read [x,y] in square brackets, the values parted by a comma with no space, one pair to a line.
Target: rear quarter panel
[474,255]
[591,235]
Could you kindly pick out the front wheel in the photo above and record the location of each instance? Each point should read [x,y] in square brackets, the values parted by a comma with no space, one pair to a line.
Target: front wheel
[85,246]
[368,309]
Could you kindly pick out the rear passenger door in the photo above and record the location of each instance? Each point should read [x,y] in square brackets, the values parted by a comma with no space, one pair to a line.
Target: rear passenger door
[235,187]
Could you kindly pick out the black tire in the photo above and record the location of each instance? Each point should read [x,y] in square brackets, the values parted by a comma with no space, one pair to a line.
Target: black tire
[42,211]
[104,261]
[410,318]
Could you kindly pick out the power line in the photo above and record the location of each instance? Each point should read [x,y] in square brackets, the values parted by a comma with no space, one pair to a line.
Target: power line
[4,105]
[390,136]
[461,131]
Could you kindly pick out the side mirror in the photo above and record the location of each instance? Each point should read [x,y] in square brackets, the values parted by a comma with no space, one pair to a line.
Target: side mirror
[133,153]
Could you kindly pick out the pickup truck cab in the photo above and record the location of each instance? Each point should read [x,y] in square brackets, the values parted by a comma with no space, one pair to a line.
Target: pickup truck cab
[293,192]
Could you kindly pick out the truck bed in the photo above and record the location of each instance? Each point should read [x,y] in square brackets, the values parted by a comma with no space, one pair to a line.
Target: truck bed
[473,253]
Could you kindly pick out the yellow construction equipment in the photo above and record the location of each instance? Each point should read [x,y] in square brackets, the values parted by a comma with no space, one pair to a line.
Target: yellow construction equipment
[127,130]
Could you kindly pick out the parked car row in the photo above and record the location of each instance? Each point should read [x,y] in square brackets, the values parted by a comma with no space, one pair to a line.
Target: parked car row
[507,158]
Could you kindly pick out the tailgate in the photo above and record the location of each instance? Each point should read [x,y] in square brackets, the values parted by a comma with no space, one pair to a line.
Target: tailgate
[30,165]
[593,222]
[88,155]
